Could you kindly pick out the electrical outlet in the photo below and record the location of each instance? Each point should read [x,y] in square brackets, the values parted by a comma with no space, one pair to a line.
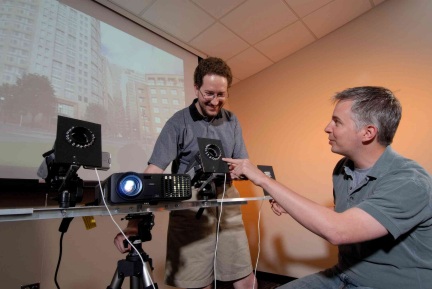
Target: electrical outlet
[31,286]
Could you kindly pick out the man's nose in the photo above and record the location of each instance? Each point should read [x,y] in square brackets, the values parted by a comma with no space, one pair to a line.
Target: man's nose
[214,101]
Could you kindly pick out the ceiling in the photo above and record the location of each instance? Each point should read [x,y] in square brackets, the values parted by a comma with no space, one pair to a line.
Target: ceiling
[249,34]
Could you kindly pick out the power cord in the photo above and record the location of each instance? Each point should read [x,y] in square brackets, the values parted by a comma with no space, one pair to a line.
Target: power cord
[217,231]
[217,238]
[64,225]
[259,244]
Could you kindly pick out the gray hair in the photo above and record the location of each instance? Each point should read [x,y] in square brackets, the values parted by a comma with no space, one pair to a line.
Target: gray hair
[376,106]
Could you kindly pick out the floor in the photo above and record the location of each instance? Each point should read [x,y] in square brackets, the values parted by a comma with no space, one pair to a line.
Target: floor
[265,281]
[262,284]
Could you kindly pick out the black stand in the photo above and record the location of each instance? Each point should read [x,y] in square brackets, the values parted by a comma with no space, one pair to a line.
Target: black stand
[132,266]
[206,191]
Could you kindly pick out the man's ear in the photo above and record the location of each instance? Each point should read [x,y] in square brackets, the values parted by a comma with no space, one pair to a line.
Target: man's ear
[370,133]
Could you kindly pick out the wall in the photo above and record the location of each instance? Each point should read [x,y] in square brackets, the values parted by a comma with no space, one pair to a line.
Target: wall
[284,109]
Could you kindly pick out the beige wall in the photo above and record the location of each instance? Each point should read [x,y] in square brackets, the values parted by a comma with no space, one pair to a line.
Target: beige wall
[284,109]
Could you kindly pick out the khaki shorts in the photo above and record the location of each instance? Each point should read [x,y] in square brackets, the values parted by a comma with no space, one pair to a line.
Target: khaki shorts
[191,245]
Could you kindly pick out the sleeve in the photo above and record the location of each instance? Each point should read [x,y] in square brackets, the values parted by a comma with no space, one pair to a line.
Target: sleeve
[166,148]
[240,151]
[399,203]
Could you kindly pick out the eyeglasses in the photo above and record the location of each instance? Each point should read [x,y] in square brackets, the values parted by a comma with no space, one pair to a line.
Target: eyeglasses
[208,95]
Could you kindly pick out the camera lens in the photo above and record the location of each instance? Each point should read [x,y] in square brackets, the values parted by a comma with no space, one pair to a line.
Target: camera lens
[213,152]
[80,137]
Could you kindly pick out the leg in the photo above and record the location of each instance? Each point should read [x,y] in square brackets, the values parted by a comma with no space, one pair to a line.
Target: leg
[246,283]
[206,287]
[190,250]
[327,279]
[233,253]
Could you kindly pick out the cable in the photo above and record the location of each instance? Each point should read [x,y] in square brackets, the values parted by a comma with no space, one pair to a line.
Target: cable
[259,244]
[59,261]
[64,225]
[217,232]
[121,231]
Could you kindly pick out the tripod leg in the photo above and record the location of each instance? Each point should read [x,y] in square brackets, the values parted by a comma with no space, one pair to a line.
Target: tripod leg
[138,283]
[135,283]
[116,281]
[147,276]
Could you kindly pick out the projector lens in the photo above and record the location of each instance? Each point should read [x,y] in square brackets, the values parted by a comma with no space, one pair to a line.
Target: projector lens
[129,186]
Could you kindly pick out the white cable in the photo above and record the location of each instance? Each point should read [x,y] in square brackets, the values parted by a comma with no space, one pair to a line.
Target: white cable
[259,244]
[121,231]
[217,232]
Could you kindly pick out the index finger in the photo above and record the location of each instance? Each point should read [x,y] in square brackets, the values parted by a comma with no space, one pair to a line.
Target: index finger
[232,161]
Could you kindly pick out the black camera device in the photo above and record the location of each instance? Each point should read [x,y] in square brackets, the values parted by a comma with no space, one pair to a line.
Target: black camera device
[207,164]
[78,143]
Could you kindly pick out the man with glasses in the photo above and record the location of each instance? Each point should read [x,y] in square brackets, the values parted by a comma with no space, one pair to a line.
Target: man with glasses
[192,241]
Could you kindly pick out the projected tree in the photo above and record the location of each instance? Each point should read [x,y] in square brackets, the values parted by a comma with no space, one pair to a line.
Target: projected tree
[6,94]
[31,98]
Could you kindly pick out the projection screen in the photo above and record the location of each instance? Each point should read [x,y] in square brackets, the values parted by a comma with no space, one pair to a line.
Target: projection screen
[89,63]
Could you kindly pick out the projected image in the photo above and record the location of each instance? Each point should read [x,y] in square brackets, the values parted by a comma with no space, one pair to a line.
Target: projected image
[55,60]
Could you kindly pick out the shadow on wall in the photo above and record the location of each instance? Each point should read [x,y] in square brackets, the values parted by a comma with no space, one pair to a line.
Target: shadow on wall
[277,243]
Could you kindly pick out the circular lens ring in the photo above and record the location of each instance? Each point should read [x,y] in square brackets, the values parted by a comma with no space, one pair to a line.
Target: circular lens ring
[129,186]
[80,137]
[213,152]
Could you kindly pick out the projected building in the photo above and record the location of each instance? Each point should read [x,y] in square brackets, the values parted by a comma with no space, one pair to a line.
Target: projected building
[53,40]
[91,80]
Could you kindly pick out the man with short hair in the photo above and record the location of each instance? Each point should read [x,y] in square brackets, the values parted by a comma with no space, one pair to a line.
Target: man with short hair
[191,242]
[382,219]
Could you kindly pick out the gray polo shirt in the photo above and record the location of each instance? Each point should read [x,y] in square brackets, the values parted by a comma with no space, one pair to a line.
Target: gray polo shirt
[397,192]
[177,141]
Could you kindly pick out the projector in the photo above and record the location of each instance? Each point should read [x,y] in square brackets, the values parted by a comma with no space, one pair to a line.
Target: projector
[130,187]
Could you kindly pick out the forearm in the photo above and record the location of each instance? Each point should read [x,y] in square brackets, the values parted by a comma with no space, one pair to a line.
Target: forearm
[351,226]
[318,219]
[152,169]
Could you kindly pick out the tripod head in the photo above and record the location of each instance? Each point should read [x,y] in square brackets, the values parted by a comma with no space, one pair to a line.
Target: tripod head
[139,270]
[145,224]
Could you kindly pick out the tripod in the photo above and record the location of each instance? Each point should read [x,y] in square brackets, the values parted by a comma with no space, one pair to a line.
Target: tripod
[132,266]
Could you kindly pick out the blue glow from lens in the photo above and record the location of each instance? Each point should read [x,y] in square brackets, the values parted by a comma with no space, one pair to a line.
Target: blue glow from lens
[129,186]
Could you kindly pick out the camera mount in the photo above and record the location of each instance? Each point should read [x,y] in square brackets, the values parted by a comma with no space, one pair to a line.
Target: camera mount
[132,266]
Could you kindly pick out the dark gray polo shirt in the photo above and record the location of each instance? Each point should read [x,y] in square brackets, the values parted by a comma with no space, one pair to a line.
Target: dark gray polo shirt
[177,141]
[397,192]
